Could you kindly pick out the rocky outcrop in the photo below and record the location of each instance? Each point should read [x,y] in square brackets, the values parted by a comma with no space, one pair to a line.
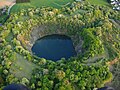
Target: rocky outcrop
[43,30]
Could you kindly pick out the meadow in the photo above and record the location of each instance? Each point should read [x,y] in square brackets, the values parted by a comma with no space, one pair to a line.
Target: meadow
[41,3]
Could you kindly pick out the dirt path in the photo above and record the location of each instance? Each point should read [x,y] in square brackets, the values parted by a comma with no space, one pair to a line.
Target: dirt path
[10,8]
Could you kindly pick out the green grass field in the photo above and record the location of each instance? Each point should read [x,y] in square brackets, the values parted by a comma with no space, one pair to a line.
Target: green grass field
[41,3]
[19,68]
[99,2]
[20,6]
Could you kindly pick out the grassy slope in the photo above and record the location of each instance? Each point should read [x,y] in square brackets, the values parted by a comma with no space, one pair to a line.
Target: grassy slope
[20,6]
[40,3]
[99,2]
[50,3]
[21,67]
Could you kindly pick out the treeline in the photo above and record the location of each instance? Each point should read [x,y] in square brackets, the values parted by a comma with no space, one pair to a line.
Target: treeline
[22,1]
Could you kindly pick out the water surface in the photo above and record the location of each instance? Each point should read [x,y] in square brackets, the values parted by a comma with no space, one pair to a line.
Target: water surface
[54,47]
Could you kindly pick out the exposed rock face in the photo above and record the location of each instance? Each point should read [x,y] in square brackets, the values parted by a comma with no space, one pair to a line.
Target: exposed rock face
[42,31]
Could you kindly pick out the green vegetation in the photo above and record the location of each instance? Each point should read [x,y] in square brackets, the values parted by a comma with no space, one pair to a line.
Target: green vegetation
[94,26]
[20,6]
[3,16]
[99,2]
[41,3]
[19,67]
[22,1]
[116,79]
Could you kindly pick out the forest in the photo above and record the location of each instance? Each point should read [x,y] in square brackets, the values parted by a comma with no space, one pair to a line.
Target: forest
[95,25]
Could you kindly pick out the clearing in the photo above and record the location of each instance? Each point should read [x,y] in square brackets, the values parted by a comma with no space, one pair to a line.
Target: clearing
[21,67]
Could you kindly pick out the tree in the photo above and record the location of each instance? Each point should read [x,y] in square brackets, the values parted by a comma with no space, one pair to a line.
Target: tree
[22,1]
[60,74]
[61,88]
[99,31]
[8,47]
[25,81]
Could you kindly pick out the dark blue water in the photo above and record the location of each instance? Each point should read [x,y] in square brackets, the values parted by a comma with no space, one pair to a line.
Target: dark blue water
[16,87]
[54,47]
